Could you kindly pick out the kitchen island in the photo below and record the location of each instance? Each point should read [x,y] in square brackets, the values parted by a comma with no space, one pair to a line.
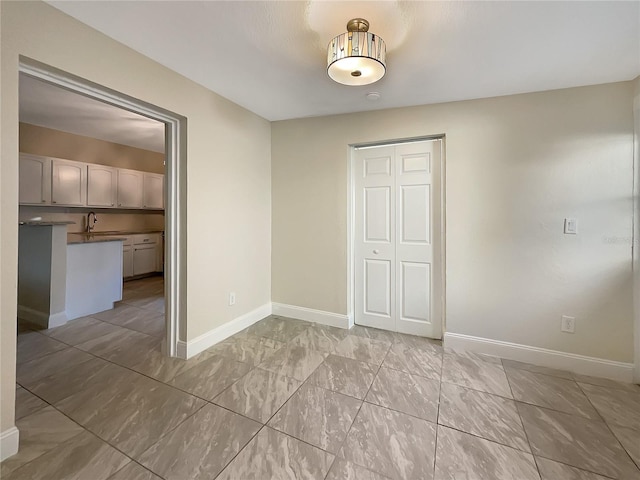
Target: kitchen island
[65,276]
[94,274]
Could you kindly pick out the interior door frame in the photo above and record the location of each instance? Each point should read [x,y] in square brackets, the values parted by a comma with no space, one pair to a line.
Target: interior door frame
[175,279]
[351,219]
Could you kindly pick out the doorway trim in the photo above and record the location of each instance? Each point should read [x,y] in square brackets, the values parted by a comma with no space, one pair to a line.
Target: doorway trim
[175,279]
[351,219]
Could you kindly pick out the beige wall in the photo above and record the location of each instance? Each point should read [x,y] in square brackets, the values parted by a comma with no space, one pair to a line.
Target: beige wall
[228,170]
[516,166]
[55,143]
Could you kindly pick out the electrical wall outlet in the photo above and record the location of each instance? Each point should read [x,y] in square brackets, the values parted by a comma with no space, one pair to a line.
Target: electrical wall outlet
[232,298]
[568,324]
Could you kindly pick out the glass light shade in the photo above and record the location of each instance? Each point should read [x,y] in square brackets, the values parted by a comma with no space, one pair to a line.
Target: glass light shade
[356,58]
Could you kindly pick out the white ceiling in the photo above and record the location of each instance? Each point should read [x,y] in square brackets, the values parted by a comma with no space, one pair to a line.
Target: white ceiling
[270,56]
[49,106]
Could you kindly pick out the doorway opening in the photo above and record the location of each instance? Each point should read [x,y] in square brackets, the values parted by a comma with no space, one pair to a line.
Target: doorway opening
[160,189]
[396,236]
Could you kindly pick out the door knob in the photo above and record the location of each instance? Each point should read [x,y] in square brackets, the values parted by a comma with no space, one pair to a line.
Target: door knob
[375,252]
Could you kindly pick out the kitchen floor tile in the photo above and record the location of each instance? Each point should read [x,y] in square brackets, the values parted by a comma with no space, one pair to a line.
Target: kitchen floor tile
[617,407]
[343,470]
[414,341]
[157,365]
[630,440]
[426,362]
[83,456]
[391,443]
[258,395]
[80,330]
[41,367]
[344,375]
[124,346]
[410,394]
[317,416]
[211,376]
[201,446]
[40,432]
[134,412]
[550,470]
[27,403]
[274,455]
[75,378]
[576,441]
[372,333]
[133,471]
[605,382]
[322,339]
[32,345]
[475,374]
[142,320]
[362,349]
[278,328]
[116,393]
[294,361]
[550,392]
[461,455]
[247,348]
[482,414]
[537,369]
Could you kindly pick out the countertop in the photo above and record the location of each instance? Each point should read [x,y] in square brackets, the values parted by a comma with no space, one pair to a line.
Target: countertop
[39,223]
[120,232]
[75,238]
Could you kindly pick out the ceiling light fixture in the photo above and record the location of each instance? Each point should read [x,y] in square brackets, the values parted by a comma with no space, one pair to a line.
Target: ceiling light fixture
[356,57]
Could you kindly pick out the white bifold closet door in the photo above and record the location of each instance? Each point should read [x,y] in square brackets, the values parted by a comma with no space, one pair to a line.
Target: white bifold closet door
[397,238]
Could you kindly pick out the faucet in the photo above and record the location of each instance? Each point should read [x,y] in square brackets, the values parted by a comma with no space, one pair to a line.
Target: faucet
[91,225]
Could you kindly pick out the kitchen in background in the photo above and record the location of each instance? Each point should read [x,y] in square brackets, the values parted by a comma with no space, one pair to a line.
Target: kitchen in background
[90,174]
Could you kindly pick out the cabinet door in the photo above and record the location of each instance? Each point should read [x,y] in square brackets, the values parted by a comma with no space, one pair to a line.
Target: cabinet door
[35,180]
[129,188]
[102,186]
[144,259]
[153,190]
[127,261]
[68,183]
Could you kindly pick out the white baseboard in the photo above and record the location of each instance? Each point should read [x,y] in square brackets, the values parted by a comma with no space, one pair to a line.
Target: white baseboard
[42,319]
[311,315]
[218,334]
[581,364]
[9,442]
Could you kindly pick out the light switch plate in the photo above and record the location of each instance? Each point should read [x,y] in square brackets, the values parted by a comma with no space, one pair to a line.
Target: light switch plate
[570,226]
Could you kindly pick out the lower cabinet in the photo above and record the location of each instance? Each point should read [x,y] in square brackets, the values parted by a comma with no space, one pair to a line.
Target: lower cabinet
[144,259]
[127,261]
[141,254]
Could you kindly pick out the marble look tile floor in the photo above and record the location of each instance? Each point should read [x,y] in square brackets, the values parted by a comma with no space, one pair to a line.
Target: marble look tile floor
[287,399]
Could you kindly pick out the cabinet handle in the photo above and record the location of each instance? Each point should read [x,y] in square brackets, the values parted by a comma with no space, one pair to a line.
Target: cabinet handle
[44,201]
[53,201]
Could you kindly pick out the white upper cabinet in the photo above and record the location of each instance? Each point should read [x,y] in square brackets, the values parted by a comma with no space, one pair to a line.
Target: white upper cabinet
[35,180]
[130,188]
[102,186]
[153,190]
[68,183]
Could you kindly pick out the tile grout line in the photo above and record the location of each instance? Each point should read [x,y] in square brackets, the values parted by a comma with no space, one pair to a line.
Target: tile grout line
[526,435]
[604,420]
[435,447]
[358,413]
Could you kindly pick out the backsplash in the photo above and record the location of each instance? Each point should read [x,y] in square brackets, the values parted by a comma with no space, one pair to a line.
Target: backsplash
[107,221]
